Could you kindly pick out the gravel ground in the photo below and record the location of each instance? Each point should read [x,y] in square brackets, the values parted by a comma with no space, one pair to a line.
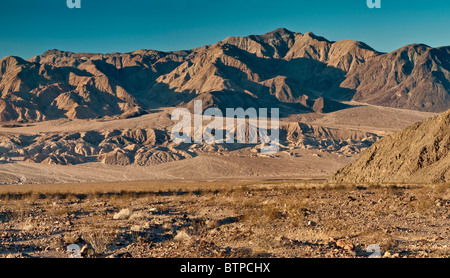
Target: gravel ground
[285,220]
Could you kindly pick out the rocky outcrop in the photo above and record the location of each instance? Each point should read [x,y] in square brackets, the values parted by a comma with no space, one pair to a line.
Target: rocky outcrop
[417,154]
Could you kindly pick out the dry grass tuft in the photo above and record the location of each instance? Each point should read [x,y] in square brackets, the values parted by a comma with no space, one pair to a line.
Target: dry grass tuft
[99,240]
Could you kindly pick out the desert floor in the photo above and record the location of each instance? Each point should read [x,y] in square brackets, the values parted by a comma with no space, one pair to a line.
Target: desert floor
[224,218]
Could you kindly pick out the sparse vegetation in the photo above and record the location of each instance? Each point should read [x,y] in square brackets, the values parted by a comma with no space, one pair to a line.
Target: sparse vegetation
[279,219]
[99,240]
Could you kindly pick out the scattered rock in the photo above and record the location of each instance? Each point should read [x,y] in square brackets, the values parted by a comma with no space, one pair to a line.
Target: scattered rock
[312,223]
[345,244]
[138,216]
[71,238]
[122,215]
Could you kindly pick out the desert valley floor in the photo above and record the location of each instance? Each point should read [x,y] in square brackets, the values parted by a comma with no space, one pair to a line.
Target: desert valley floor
[335,139]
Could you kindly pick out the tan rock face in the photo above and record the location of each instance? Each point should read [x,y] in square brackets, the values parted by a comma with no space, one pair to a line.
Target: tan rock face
[419,153]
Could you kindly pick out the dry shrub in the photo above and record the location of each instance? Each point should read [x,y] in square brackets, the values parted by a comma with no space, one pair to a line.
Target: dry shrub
[182,237]
[99,240]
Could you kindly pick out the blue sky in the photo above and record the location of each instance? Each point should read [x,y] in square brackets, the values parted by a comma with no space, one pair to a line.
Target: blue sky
[30,27]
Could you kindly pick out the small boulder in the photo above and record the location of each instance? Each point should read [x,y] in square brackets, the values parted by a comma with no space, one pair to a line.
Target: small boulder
[122,215]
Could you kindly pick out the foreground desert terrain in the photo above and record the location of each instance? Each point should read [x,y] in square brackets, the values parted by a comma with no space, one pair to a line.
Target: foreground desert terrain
[285,218]
[220,201]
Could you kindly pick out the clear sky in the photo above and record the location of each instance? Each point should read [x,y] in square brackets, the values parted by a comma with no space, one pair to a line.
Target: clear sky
[30,27]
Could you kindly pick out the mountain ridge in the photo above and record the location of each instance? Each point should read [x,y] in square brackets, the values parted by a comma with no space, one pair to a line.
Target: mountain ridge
[280,68]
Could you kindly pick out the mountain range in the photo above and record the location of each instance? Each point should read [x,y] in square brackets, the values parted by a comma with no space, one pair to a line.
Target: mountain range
[293,71]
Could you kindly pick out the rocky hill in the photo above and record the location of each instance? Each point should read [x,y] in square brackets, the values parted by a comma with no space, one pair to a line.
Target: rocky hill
[417,154]
[151,146]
